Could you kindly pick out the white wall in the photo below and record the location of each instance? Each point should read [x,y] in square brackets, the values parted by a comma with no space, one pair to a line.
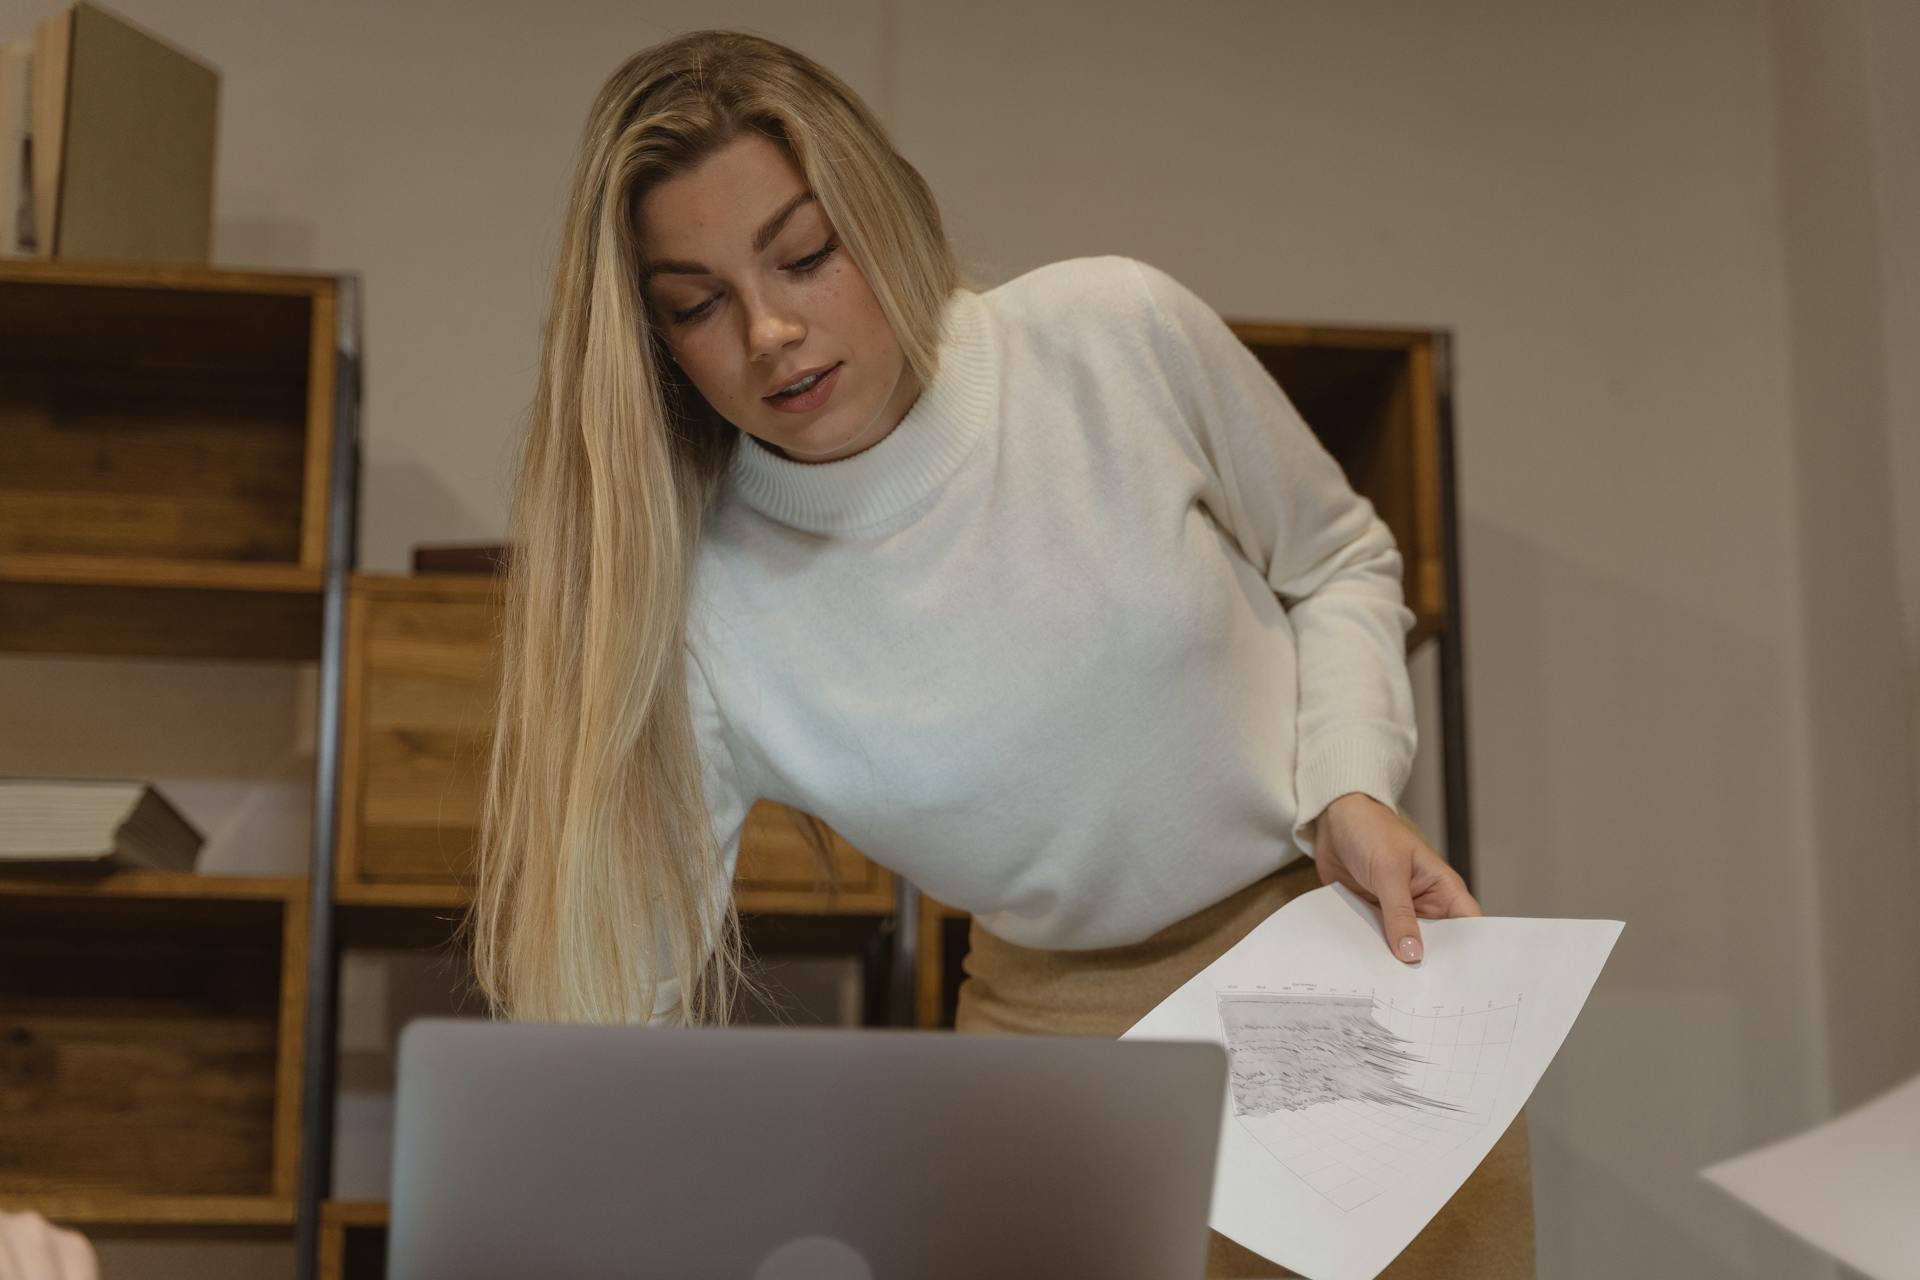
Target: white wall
[1605,201]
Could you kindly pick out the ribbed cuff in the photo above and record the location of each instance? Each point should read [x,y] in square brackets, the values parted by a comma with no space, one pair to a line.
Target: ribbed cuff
[1356,758]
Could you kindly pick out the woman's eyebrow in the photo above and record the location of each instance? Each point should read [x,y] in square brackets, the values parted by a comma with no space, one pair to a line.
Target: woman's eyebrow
[761,239]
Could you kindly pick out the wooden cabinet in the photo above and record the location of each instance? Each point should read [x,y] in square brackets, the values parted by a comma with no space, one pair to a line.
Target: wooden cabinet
[164,460]
[151,1050]
[166,446]
[177,457]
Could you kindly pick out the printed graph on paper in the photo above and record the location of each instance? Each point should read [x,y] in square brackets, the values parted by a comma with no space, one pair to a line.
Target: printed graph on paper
[1352,1091]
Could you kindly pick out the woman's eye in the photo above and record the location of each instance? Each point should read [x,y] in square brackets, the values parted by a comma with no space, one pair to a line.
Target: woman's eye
[813,261]
[692,313]
[805,266]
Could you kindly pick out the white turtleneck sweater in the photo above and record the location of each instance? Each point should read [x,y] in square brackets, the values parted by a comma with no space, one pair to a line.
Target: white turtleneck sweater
[1082,644]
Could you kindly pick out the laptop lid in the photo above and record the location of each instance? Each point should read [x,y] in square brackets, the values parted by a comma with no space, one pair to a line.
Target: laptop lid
[798,1154]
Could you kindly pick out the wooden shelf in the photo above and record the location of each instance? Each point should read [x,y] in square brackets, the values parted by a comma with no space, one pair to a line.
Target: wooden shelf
[152,884]
[108,1211]
[167,476]
[124,571]
[436,896]
[863,899]
[353,1240]
[150,1046]
[165,455]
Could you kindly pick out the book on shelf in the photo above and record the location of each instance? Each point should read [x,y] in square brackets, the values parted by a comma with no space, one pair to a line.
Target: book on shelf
[100,823]
[117,141]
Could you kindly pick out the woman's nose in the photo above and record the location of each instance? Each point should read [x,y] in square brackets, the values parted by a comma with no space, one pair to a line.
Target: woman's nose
[771,329]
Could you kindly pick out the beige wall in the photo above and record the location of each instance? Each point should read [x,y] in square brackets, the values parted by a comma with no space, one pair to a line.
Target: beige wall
[1893,33]
[1842,174]
[1611,204]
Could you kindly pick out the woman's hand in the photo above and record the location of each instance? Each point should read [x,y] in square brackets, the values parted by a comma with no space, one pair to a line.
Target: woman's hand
[1366,846]
[31,1248]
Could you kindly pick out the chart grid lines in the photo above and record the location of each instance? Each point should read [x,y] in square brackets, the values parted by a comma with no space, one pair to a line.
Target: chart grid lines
[1352,1092]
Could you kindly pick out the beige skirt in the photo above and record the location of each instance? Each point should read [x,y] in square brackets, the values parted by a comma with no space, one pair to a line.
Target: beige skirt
[1486,1229]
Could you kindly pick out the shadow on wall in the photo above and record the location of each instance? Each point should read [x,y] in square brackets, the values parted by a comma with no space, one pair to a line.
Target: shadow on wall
[1634,759]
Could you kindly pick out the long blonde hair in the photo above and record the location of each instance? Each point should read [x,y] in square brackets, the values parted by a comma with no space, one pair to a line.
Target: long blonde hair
[598,871]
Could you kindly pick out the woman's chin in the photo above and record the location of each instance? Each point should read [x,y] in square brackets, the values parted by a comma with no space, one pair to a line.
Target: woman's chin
[818,442]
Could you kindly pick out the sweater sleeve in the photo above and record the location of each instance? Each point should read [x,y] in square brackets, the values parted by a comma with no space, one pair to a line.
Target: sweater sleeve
[726,804]
[1325,552]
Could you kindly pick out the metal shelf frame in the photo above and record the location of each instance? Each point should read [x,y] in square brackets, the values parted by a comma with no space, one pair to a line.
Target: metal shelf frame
[323,950]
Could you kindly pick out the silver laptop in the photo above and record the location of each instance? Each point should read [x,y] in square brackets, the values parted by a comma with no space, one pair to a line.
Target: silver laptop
[798,1154]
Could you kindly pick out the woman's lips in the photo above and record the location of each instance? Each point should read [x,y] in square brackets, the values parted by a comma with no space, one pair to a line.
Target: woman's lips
[812,398]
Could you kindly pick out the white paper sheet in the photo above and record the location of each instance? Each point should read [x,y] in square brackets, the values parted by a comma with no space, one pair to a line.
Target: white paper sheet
[1363,1091]
[1850,1186]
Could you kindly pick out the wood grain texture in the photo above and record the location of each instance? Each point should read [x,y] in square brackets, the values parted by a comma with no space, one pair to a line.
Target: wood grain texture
[322,352]
[152,422]
[150,1215]
[136,571]
[139,1044]
[159,431]
[289,1045]
[425,669]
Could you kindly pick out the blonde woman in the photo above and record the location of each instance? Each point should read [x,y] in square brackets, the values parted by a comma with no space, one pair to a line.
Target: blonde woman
[1042,596]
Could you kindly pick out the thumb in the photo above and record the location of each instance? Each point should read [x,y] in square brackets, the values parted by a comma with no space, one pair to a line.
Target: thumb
[1402,927]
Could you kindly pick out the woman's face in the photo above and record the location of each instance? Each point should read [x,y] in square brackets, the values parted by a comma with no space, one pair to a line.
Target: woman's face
[748,283]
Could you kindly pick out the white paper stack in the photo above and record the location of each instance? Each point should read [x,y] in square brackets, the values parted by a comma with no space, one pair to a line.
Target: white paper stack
[92,822]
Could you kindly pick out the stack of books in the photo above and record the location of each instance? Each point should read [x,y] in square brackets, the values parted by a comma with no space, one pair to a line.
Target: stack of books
[106,144]
[93,823]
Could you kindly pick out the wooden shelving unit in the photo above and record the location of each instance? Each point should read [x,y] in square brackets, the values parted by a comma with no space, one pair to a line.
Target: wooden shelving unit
[165,459]
[170,487]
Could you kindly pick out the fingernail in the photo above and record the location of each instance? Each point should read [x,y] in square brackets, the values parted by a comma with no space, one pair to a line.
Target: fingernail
[1410,949]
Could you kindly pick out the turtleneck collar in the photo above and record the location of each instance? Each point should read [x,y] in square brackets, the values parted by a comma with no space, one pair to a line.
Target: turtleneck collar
[943,424]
